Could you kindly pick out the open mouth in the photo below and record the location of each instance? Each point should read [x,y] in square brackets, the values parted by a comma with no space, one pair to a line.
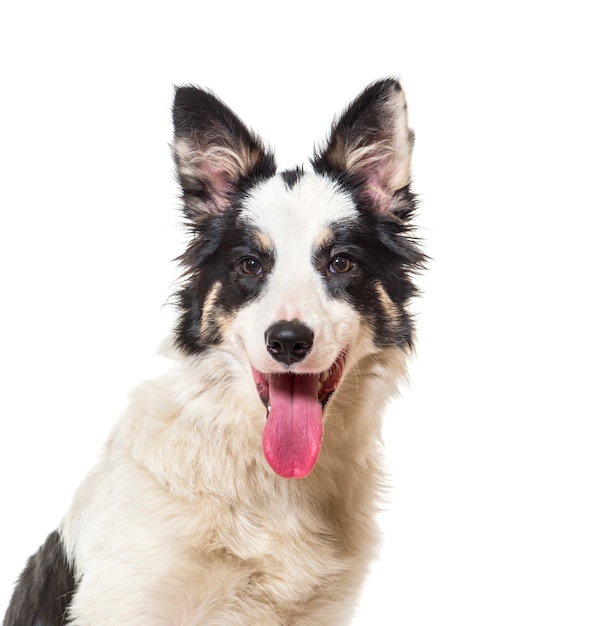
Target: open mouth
[292,435]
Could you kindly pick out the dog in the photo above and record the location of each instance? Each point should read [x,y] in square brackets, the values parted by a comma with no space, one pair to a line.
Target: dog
[241,486]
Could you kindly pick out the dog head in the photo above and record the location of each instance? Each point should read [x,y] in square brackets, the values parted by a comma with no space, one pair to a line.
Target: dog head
[297,273]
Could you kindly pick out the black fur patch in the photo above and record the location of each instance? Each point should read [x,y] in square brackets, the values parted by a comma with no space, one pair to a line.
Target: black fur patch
[44,589]
[385,257]
[218,246]
[292,177]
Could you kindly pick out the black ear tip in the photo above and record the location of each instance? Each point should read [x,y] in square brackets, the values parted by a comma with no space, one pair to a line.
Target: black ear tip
[191,105]
[385,86]
[183,107]
[188,96]
[390,82]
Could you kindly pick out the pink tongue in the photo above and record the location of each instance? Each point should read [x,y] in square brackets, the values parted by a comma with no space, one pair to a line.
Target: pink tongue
[293,433]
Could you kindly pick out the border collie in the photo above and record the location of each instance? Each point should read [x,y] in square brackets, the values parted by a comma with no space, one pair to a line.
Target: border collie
[241,487]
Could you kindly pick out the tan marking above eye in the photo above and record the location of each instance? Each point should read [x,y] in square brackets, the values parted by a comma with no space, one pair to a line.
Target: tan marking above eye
[263,241]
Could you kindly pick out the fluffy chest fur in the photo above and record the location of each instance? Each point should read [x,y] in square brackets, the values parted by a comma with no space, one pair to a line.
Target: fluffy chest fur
[211,535]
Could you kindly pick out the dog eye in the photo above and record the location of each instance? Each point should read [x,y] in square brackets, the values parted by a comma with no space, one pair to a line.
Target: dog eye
[250,266]
[341,264]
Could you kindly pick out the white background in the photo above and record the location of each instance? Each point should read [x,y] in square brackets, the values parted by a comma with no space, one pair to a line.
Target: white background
[493,449]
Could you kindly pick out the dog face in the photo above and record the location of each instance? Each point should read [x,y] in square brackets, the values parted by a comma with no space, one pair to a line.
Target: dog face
[298,274]
[302,324]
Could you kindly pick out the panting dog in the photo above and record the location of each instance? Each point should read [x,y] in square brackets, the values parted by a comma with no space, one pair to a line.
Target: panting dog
[241,486]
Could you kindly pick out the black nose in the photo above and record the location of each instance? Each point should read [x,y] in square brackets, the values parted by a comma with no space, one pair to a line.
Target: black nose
[288,342]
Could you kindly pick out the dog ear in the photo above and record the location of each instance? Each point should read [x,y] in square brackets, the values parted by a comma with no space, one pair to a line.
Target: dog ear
[215,154]
[372,144]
